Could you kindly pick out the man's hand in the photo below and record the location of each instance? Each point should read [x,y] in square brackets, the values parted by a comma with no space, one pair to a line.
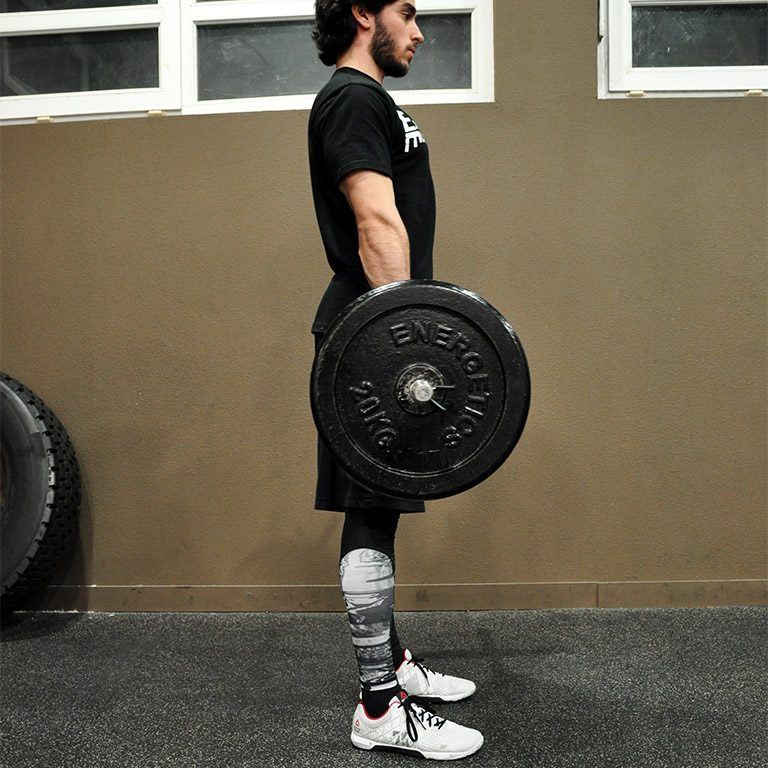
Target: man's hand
[384,247]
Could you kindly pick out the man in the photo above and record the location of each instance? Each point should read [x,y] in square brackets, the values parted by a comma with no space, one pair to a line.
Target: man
[375,207]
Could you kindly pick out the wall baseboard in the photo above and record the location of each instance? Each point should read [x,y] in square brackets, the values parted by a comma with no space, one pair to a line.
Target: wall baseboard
[409,597]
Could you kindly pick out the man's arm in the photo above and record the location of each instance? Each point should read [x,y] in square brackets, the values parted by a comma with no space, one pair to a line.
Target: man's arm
[384,247]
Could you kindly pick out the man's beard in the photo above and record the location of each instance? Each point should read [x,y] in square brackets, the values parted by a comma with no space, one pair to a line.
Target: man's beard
[383,53]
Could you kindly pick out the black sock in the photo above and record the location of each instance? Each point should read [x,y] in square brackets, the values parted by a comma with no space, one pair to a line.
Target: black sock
[377,702]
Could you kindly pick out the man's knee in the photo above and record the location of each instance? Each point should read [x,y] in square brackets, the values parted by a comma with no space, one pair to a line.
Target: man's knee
[369,529]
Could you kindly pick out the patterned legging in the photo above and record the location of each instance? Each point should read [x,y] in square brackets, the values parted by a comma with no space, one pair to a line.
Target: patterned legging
[367,575]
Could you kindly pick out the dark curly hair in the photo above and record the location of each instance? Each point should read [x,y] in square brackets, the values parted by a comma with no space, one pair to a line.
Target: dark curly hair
[335,27]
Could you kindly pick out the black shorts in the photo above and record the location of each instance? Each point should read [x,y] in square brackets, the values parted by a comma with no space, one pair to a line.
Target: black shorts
[337,492]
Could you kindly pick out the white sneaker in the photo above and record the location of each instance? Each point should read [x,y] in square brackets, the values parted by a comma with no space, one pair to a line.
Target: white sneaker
[421,681]
[408,726]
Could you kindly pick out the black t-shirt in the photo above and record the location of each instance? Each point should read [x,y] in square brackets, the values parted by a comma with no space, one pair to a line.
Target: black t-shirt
[355,125]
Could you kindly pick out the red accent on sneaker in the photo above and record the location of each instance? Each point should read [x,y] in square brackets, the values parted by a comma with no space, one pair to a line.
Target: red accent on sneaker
[370,717]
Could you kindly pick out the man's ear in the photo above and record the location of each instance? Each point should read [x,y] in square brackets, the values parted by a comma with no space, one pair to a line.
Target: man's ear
[362,16]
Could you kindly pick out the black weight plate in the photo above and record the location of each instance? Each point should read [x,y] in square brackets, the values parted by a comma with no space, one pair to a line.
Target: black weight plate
[420,390]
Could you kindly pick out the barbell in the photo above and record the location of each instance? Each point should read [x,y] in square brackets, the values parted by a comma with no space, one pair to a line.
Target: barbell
[420,389]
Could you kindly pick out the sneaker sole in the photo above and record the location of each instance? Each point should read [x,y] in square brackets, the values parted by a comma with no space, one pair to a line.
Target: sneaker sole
[362,743]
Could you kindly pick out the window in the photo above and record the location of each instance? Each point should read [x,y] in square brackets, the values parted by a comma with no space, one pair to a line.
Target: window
[77,59]
[682,48]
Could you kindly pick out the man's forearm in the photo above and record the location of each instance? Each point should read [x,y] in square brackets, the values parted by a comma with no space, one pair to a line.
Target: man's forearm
[384,251]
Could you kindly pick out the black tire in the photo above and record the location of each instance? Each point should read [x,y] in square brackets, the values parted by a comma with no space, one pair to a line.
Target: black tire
[39,493]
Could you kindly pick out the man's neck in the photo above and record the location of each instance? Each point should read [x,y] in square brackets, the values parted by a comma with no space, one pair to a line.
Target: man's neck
[358,57]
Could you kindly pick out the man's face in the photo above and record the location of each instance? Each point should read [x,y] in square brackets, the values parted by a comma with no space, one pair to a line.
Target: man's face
[396,38]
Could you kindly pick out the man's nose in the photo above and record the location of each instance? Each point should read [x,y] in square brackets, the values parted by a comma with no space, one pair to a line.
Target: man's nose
[417,37]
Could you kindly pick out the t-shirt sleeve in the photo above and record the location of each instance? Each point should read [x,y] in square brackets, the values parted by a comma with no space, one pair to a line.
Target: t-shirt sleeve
[355,134]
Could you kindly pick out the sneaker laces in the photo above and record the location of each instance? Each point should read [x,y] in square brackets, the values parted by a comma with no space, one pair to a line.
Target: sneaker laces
[421,712]
[423,668]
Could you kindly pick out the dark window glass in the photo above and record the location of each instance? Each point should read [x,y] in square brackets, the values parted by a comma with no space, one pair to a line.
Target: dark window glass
[76,62]
[257,59]
[279,58]
[734,35]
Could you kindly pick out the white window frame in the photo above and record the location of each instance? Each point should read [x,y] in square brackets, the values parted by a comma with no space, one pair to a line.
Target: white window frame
[177,22]
[617,78]
[164,16]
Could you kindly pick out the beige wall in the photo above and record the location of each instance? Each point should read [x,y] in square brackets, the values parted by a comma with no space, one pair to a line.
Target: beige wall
[158,281]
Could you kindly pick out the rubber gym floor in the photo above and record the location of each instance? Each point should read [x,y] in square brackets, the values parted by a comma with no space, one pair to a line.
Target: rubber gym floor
[677,688]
